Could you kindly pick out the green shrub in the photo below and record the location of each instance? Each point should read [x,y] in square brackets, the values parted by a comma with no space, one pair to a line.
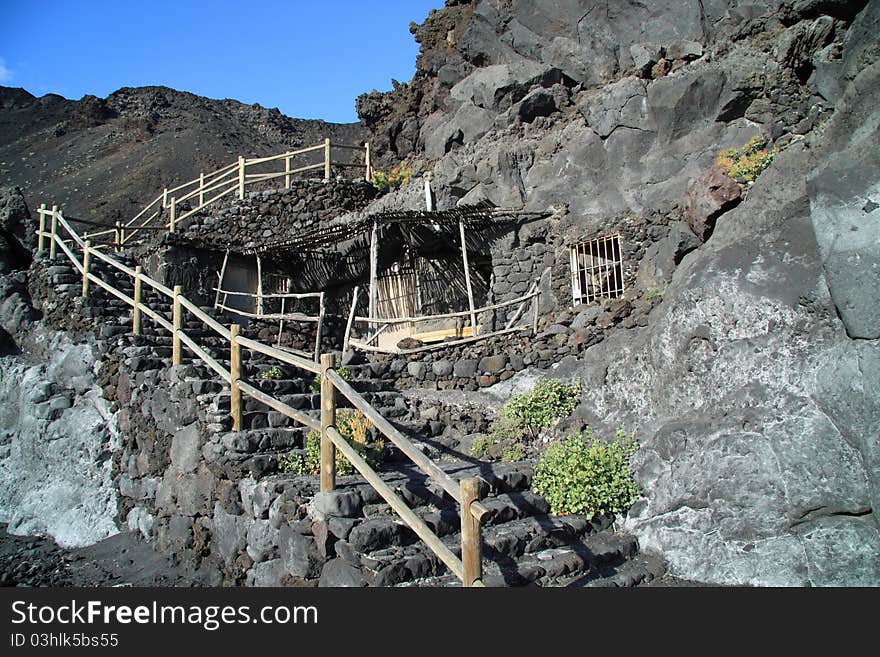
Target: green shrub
[498,444]
[746,163]
[273,372]
[532,411]
[398,176]
[343,371]
[513,452]
[584,475]
[354,427]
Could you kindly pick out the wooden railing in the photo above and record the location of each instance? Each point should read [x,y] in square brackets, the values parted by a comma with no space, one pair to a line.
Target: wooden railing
[466,492]
[185,200]
[383,324]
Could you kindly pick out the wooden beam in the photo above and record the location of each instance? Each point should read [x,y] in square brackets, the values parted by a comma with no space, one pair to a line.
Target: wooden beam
[234,376]
[374,270]
[259,287]
[40,234]
[354,300]
[327,159]
[220,276]
[87,263]
[54,230]
[241,177]
[471,552]
[136,313]
[176,317]
[319,329]
[328,419]
[467,276]
[368,163]
[429,198]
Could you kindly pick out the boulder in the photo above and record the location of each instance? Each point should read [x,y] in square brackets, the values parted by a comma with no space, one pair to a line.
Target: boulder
[707,198]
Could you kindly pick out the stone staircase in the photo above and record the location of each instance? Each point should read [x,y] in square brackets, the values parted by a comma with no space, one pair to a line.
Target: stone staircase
[360,541]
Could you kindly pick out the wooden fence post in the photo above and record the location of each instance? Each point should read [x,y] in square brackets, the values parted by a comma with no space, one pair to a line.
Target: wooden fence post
[121,235]
[351,313]
[471,551]
[175,327]
[54,230]
[327,159]
[368,162]
[87,263]
[235,375]
[136,314]
[287,172]
[173,219]
[164,198]
[328,419]
[117,241]
[241,180]
[40,239]
[536,303]
[201,189]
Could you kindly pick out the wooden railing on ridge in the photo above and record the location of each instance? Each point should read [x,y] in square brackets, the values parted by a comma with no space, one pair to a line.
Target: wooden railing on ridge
[468,568]
[211,187]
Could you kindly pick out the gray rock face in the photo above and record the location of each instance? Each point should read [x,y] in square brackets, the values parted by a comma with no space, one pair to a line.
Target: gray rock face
[845,213]
[758,414]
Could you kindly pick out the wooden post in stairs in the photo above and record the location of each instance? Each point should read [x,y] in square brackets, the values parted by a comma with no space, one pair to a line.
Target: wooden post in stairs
[328,419]
[136,313]
[175,327]
[235,376]
[241,177]
[201,189]
[368,162]
[87,263]
[327,159]
[471,551]
[40,236]
[173,215]
[54,230]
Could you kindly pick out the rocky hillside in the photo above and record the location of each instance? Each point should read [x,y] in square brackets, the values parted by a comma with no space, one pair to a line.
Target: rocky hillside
[753,388]
[104,159]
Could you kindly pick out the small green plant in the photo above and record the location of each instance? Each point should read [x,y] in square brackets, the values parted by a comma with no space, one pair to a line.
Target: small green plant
[746,163]
[398,176]
[492,446]
[272,373]
[315,385]
[582,474]
[513,452]
[481,446]
[354,427]
[547,402]
[653,294]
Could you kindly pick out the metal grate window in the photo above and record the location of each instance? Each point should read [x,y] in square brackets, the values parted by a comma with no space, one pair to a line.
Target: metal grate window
[596,269]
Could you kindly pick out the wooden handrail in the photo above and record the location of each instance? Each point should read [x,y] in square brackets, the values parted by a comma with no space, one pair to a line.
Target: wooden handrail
[236,177]
[465,493]
[402,442]
[415,523]
[283,356]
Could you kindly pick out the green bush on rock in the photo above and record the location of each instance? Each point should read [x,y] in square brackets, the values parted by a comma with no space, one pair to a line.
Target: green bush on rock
[547,402]
[582,474]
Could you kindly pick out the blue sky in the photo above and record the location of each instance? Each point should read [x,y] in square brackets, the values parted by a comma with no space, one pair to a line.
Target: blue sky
[309,59]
